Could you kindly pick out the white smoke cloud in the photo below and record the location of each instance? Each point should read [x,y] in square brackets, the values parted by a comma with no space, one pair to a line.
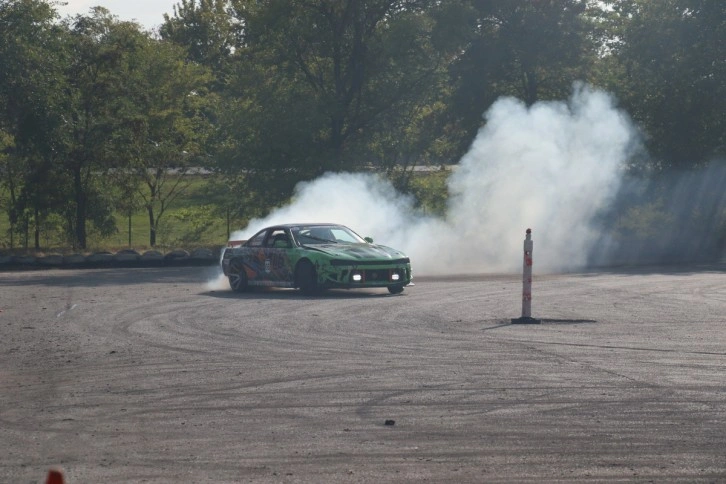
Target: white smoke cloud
[550,167]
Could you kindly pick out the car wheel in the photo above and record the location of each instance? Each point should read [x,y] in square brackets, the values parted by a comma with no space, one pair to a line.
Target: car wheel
[397,289]
[307,277]
[237,276]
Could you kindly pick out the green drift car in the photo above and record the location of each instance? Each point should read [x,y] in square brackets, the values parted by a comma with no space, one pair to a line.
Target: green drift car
[313,257]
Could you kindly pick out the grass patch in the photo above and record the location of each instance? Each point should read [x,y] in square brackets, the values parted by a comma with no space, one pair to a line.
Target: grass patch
[197,218]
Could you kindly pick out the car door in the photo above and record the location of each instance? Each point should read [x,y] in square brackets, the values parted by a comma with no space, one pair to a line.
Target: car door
[278,270]
[253,256]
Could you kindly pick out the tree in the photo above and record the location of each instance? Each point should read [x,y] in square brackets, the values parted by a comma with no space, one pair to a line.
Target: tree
[8,181]
[164,124]
[318,81]
[207,30]
[100,49]
[528,49]
[31,85]
[671,57]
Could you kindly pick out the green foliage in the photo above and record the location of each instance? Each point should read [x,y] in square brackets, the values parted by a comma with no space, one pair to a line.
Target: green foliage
[652,229]
[644,222]
[31,89]
[321,85]
[193,213]
[197,221]
[165,128]
[532,50]
[670,68]
[431,192]
[53,232]
[207,30]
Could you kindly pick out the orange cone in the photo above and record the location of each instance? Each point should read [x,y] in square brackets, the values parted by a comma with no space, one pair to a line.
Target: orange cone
[54,477]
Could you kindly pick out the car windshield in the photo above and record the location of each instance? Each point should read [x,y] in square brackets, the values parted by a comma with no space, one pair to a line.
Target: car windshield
[325,234]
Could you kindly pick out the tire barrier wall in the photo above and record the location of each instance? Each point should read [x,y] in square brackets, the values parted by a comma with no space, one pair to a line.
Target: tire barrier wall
[123,258]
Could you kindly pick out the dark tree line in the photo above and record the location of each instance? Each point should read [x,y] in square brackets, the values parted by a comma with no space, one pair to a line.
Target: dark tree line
[99,116]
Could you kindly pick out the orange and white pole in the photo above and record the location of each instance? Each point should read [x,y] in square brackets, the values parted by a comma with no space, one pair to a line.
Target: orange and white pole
[527,283]
[527,276]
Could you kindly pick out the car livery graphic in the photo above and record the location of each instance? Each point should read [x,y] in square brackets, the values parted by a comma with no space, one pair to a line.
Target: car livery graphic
[313,257]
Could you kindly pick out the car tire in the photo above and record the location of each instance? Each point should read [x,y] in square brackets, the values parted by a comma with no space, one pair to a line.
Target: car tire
[397,289]
[306,277]
[237,276]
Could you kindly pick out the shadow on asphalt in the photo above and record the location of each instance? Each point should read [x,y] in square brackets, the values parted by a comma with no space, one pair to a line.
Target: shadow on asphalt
[295,295]
[506,322]
[109,277]
[566,321]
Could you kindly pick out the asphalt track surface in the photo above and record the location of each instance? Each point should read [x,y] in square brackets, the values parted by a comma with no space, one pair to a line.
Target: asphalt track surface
[148,375]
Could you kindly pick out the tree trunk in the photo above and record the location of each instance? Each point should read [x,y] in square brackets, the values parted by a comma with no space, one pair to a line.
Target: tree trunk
[80,210]
[26,222]
[530,87]
[12,214]
[152,226]
[36,234]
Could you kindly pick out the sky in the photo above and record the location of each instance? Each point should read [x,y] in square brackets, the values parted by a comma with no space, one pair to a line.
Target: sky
[149,13]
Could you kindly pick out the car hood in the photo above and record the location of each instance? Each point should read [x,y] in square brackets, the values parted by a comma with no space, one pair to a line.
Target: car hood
[363,252]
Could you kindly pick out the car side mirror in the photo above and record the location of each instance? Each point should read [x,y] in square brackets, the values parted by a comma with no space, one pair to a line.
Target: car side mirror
[369,240]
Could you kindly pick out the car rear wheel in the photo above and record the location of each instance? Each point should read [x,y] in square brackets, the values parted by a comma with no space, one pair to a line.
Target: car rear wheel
[397,289]
[307,277]
[237,276]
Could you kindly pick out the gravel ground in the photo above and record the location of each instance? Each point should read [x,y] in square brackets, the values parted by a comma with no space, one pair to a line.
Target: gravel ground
[164,375]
